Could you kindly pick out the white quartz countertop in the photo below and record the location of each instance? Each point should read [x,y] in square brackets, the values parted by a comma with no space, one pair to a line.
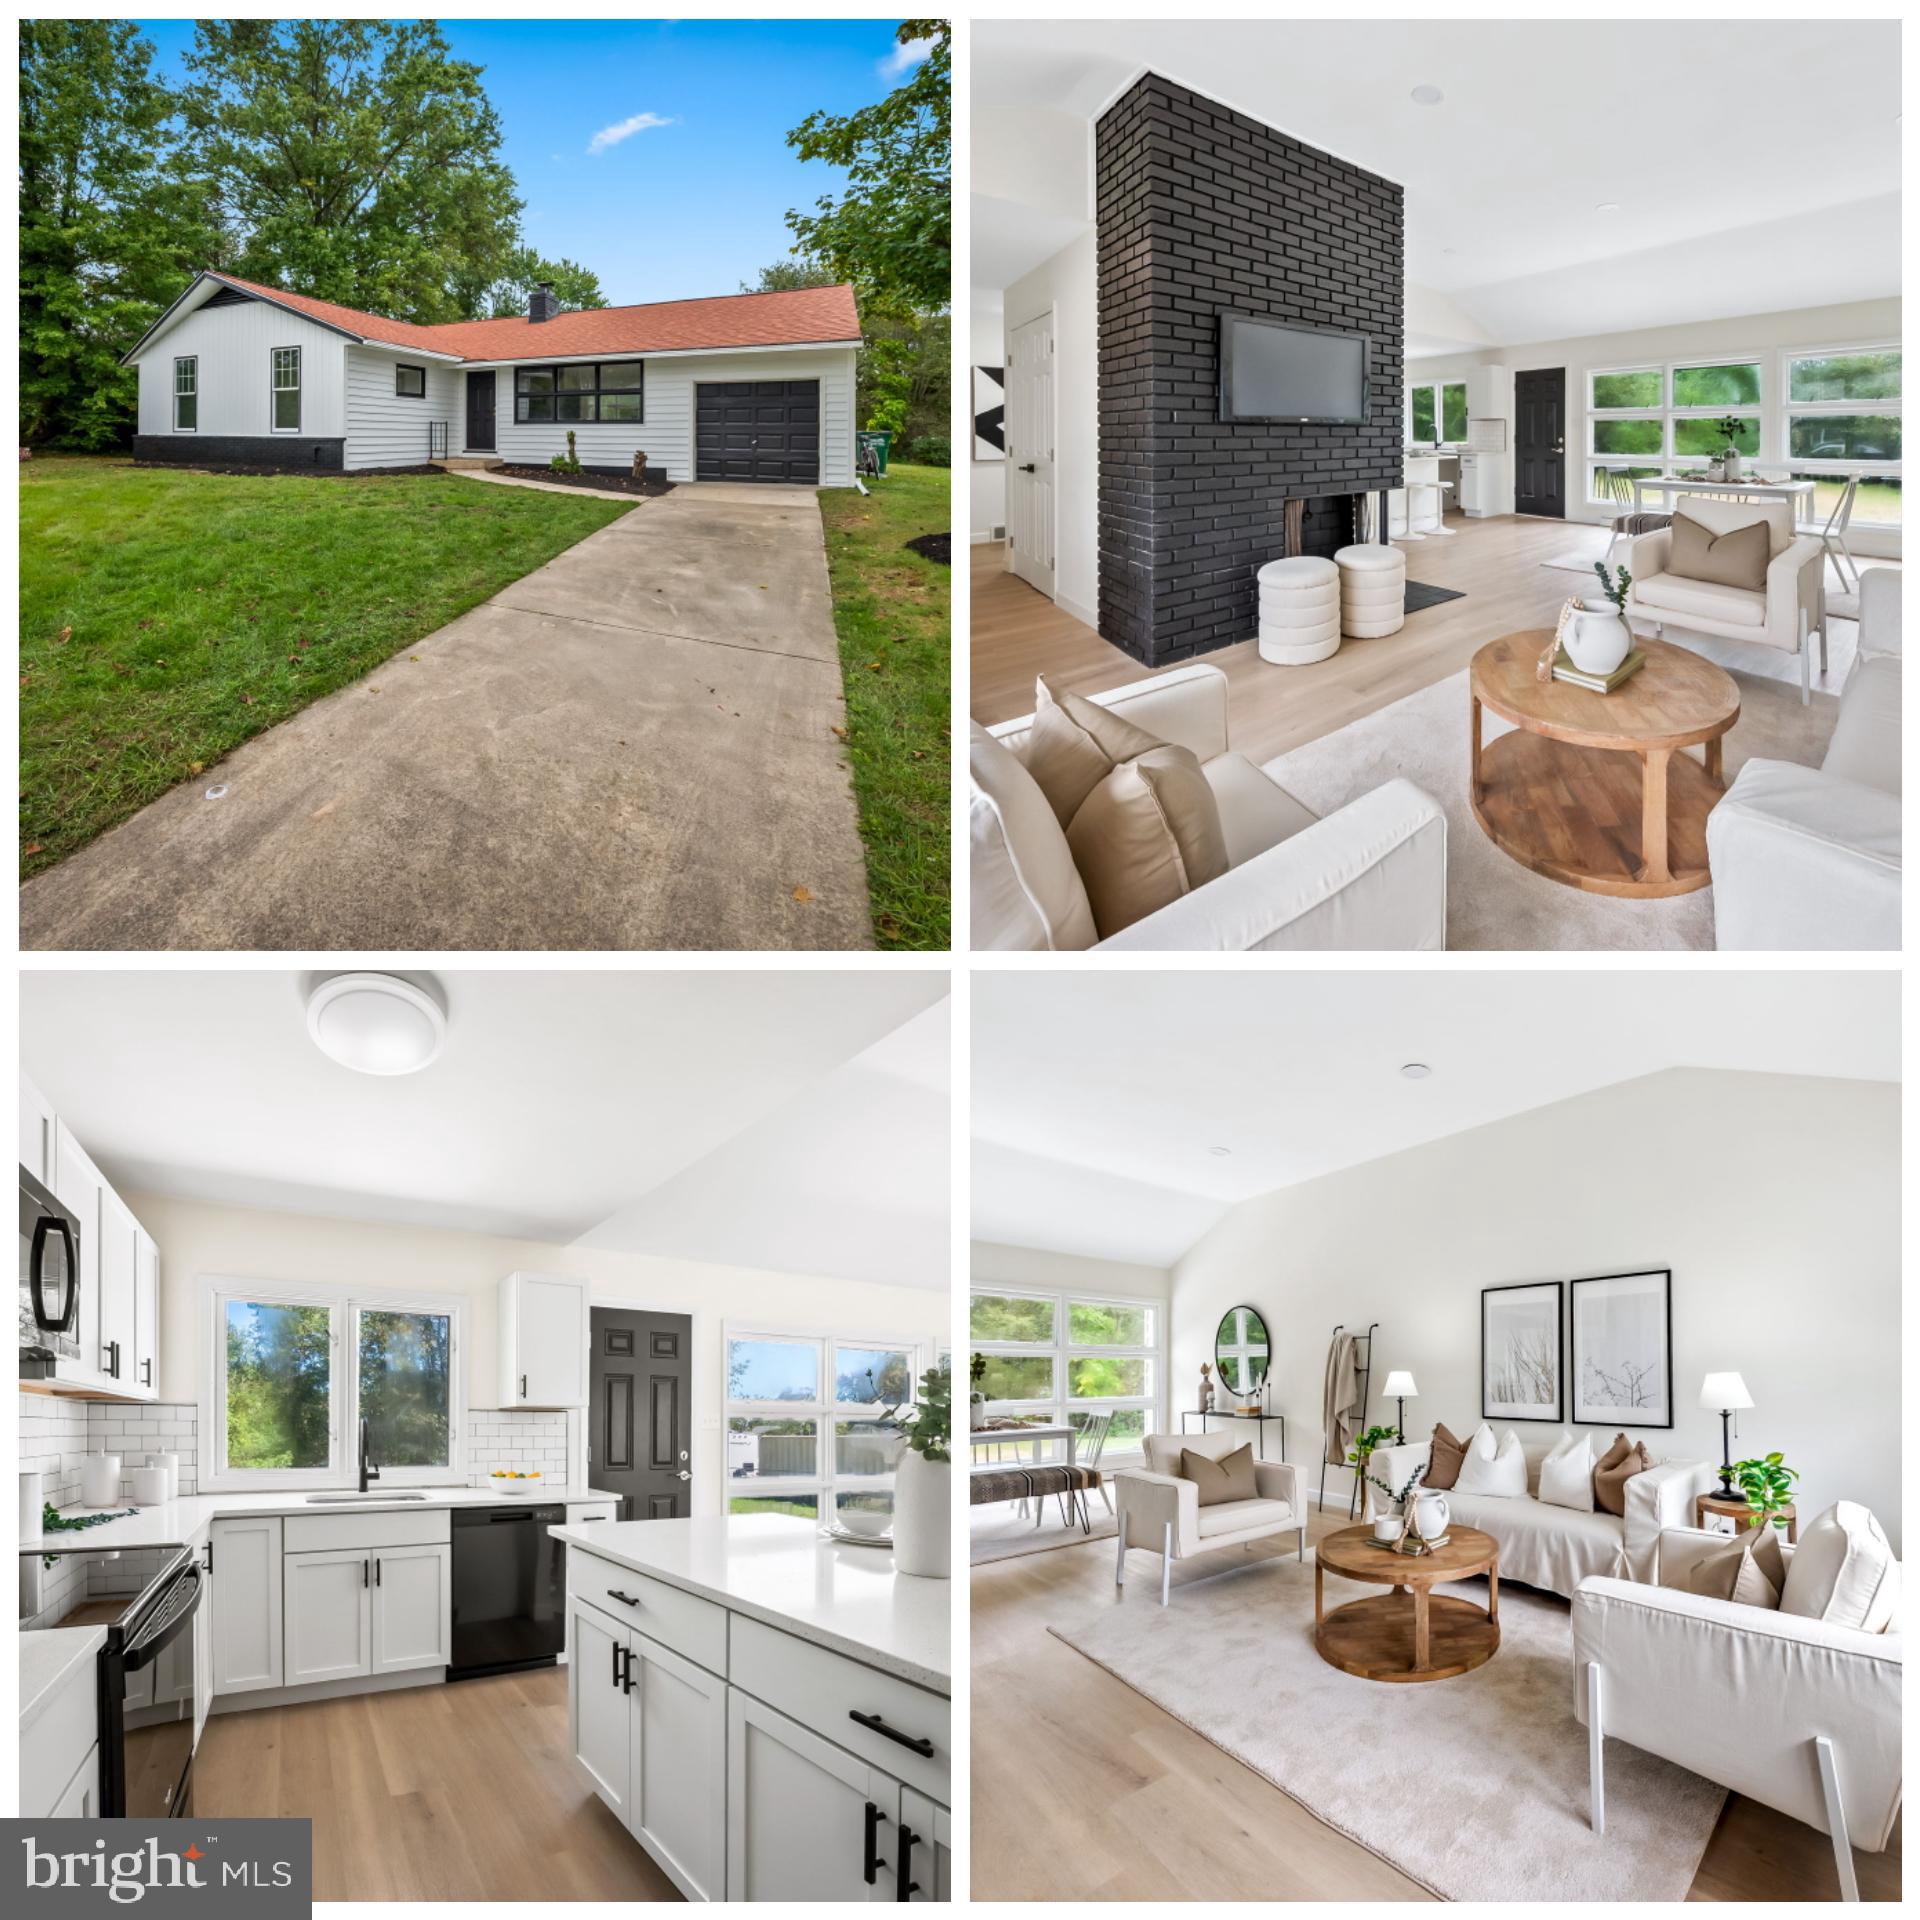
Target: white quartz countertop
[179,1523]
[47,1658]
[776,1568]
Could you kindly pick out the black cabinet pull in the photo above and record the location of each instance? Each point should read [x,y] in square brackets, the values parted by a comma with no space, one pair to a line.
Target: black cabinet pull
[146,1373]
[376,1570]
[626,1599]
[870,1867]
[363,1572]
[618,1650]
[907,1887]
[523,1386]
[627,1681]
[875,1724]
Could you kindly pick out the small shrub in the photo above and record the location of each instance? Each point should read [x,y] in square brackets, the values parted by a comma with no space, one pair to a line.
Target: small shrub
[568,462]
[935,450]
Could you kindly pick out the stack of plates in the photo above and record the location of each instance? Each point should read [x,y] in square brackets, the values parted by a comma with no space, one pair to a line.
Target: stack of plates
[834,1531]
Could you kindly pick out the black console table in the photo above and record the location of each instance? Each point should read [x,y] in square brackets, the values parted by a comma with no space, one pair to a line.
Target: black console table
[1259,1421]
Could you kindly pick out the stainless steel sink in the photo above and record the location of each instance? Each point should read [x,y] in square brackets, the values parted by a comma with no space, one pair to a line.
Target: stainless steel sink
[355,1499]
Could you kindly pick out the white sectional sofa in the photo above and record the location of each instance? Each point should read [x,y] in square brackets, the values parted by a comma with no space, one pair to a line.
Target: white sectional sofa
[1555,1548]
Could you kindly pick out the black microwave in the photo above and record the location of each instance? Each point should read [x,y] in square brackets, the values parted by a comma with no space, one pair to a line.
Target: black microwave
[49,1281]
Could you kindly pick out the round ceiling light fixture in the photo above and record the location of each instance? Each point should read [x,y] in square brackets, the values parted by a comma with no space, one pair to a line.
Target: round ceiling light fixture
[1416,1070]
[1425,96]
[376,1022]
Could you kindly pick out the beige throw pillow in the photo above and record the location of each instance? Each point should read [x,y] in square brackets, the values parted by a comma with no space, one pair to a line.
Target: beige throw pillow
[1444,1455]
[1844,1571]
[1148,833]
[1614,1469]
[1748,1569]
[1027,892]
[1736,559]
[1072,745]
[1228,1478]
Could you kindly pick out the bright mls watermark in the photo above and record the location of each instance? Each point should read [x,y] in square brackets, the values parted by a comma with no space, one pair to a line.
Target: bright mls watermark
[260,1868]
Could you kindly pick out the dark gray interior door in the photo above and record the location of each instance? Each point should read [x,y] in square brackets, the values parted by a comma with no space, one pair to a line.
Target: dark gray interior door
[1540,442]
[640,1412]
[757,430]
[480,412]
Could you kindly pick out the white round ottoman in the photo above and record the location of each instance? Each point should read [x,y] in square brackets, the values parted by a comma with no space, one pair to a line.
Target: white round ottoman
[1373,591]
[1299,610]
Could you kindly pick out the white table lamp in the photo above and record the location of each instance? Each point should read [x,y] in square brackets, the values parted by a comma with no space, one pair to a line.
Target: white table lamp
[1400,1388]
[1725,1394]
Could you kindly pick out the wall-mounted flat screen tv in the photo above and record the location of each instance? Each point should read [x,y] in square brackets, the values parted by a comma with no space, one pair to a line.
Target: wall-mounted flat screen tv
[1271,371]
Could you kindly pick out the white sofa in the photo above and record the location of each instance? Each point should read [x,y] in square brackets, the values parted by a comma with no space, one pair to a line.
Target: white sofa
[1160,1511]
[1372,876]
[1809,858]
[1555,1548]
[1789,614]
[1796,1713]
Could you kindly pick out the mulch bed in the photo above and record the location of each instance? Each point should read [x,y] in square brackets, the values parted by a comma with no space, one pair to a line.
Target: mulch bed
[652,487]
[933,546]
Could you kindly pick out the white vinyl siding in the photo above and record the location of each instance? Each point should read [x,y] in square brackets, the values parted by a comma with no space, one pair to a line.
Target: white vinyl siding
[666,435]
[234,348]
[387,429]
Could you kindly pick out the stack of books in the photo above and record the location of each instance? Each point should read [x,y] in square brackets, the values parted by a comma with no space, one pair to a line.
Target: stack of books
[1564,669]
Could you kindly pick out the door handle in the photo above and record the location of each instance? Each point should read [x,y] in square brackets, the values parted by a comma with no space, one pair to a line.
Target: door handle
[683,1474]
[870,1866]
[913,1743]
[907,1887]
[1028,468]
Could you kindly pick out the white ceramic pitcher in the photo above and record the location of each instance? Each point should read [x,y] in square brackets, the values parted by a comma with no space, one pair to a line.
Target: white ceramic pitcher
[1596,638]
[1430,1513]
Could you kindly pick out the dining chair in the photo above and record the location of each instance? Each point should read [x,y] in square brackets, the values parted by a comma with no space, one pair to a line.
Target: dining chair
[1088,1449]
[1628,524]
[1834,535]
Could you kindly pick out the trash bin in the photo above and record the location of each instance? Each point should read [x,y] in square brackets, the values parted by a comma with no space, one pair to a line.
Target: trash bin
[878,442]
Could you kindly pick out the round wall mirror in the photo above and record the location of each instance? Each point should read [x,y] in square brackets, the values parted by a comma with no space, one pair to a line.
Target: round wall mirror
[1240,1351]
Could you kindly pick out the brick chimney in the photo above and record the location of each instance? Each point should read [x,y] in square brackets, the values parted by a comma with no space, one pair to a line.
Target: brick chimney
[543,306]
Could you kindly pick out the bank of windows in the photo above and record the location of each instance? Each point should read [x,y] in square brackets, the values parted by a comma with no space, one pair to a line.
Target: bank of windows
[1055,1359]
[1823,415]
[570,396]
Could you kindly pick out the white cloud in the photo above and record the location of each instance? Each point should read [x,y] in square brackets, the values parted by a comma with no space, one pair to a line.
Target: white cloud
[909,53]
[625,130]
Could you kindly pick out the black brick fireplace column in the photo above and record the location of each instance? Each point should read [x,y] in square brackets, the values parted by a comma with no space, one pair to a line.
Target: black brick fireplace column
[1200,212]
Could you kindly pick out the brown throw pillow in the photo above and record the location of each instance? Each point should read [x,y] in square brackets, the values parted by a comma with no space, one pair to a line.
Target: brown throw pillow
[1149,832]
[1444,1455]
[1228,1478]
[1614,1469]
[1073,745]
[1736,559]
[1749,1569]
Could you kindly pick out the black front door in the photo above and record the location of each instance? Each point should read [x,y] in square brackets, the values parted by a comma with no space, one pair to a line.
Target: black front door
[640,1412]
[1540,442]
[480,412]
[765,430]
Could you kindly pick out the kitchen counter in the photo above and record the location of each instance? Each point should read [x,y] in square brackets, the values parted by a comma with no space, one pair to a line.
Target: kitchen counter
[777,1569]
[180,1523]
[46,1660]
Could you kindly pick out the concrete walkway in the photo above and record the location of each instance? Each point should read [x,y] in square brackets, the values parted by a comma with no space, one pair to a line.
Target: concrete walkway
[631,748]
[542,486]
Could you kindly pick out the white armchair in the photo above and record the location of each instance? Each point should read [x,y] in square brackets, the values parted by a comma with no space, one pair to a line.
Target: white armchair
[1371,876]
[1160,1511]
[1789,614]
[1797,1714]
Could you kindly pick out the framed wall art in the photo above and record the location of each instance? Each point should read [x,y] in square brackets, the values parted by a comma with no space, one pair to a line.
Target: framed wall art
[989,413]
[1622,1349]
[1520,1349]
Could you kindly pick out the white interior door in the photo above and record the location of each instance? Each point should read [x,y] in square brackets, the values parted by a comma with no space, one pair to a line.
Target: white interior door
[1030,509]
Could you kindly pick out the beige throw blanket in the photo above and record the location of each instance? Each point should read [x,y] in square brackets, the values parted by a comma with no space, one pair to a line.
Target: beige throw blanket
[1340,1409]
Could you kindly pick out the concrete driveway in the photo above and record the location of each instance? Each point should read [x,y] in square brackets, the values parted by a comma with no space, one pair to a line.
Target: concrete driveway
[631,748]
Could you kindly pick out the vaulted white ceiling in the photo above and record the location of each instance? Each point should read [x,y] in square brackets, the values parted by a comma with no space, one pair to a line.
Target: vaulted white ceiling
[1098,1099]
[1755,163]
[794,1120]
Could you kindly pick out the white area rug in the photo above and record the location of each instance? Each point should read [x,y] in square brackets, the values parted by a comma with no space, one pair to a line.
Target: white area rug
[1494,903]
[999,1533]
[1475,1787]
[1578,562]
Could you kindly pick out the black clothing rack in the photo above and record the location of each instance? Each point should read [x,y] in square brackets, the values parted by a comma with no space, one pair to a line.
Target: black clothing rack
[1366,1378]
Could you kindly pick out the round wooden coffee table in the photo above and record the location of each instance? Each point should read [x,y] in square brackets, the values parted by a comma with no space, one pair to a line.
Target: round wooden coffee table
[1411,1633]
[1591,789]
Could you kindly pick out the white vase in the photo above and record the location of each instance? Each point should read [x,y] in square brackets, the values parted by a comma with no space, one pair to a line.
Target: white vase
[1430,1513]
[922,1540]
[1596,638]
[99,1479]
[1730,466]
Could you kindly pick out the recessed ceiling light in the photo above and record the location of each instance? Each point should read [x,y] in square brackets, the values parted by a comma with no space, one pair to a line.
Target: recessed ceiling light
[1415,1070]
[376,1023]
[1608,206]
[1447,249]
[1223,1152]
[1424,96]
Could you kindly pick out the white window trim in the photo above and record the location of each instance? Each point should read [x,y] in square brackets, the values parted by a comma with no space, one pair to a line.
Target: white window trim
[826,1481]
[275,389]
[186,360]
[1438,388]
[343,1304]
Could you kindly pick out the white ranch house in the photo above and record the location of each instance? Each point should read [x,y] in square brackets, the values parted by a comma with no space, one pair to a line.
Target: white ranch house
[744,387]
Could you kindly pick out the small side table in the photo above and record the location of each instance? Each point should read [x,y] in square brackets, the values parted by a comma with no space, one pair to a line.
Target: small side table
[1706,1503]
[1259,1421]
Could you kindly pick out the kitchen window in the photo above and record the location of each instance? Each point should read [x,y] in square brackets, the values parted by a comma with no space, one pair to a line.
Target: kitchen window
[293,1371]
[805,1434]
[286,389]
[1055,1358]
[410,383]
[1437,414]
[186,395]
[567,396]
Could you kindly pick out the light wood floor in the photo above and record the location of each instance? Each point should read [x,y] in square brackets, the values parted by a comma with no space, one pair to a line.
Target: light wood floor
[1083,1790]
[1497,564]
[461,1792]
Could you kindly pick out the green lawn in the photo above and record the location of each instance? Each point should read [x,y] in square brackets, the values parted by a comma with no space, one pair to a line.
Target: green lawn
[894,613]
[167,616]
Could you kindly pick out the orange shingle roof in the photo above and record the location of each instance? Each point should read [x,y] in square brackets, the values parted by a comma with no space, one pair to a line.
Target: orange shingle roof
[803,317]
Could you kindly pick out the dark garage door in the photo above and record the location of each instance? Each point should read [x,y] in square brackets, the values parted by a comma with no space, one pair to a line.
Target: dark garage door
[757,430]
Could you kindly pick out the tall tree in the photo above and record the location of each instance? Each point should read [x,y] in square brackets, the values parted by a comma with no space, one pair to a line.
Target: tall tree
[891,232]
[355,160]
[508,293]
[789,276]
[109,227]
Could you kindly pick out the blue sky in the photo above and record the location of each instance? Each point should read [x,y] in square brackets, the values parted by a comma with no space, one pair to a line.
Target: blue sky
[666,212]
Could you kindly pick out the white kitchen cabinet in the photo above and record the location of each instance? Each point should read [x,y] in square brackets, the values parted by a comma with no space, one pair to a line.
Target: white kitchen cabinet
[81,1799]
[36,1132]
[79,1187]
[412,1608]
[57,1740]
[119,1257]
[145,1379]
[927,1837]
[543,1341]
[247,1595]
[329,1615]
[597,1711]
[677,1775]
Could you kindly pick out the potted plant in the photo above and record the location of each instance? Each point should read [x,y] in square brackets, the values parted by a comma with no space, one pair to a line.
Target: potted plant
[1388,1527]
[976,1397]
[1363,1449]
[1729,431]
[921,1543]
[1767,1487]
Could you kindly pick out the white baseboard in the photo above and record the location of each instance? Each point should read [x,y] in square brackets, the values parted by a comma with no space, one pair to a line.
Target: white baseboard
[985,539]
[328,1690]
[1087,616]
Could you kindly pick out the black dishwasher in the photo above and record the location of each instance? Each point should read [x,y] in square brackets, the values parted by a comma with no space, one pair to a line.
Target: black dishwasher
[509,1589]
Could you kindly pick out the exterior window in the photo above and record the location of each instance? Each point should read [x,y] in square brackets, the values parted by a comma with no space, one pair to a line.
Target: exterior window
[574,396]
[1053,1359]
[286,389]
[1437,414]
[410,383]
[1843,422]
[186,395]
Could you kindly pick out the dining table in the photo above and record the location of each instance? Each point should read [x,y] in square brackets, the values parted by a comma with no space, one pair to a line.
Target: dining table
[1799,492]
[1016,1436]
